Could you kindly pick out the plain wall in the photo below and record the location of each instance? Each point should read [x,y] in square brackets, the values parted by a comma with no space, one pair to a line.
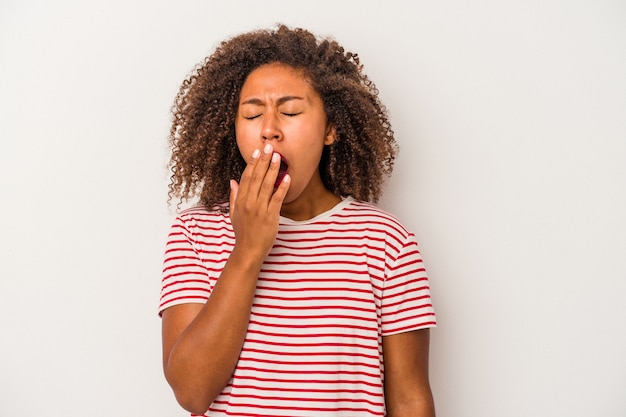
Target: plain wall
[511,118]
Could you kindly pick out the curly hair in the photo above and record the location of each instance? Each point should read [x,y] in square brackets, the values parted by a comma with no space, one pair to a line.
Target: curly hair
[205,155]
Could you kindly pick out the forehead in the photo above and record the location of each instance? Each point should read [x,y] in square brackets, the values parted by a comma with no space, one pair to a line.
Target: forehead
[276,79]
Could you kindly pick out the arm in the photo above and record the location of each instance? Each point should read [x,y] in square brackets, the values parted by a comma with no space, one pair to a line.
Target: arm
[407,387]
[202,343]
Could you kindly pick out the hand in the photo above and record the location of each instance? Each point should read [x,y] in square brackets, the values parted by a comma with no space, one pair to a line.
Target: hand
[255,204]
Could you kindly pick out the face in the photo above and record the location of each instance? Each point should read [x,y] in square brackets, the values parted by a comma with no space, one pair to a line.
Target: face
[277,105]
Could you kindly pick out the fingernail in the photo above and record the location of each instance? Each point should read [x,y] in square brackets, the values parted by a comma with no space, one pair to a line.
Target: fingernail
[275,158]
[286,179]
[268,148]
[256,153]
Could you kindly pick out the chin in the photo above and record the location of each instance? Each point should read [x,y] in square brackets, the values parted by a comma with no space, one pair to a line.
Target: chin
[290,197]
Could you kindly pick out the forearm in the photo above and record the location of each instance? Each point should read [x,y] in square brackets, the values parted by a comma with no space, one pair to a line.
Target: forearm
[202,359]
[201,347]
[407,386]
[421,406]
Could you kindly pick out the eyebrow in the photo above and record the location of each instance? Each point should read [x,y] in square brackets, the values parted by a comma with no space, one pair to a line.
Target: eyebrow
[280,101]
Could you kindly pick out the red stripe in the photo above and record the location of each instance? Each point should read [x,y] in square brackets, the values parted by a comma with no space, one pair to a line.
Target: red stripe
[178,266]
[411,327]
[311,399]
[273,306]
[338,354]
[290,408]
[319,335]
[320,390]
[355,382]
[310,326]
[403,300]
[334,372]
[313,289]
[303,345]
[333,252]
[182,282]
[187,298]
[408,283]
[184,273]
[351,299]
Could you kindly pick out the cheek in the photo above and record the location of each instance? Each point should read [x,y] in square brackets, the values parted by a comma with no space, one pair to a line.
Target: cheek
[246,153]
[244,145]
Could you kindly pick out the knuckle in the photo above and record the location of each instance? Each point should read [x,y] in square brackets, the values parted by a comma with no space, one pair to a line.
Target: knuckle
[245,175]
[256,176]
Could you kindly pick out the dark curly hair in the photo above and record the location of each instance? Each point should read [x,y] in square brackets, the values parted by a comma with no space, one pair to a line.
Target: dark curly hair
[205,155]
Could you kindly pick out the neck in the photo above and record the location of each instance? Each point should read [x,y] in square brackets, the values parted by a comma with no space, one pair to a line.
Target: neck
[315,201]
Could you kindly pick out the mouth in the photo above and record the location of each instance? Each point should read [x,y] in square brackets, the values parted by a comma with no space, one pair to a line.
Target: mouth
[282,171]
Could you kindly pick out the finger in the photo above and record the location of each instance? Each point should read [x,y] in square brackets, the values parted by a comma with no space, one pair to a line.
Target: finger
[278,197]
[269,181]
[234,189]
[258,172]
[246,175]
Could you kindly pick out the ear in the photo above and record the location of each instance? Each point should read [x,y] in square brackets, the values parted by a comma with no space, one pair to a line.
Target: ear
[331,134]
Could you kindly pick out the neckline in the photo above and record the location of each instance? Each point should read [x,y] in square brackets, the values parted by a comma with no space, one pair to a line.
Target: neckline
[345,201]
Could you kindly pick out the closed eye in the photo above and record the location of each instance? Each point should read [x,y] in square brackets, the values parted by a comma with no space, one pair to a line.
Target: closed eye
[251,117]
[291,114]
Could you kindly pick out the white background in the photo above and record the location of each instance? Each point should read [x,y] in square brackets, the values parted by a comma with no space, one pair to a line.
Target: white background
[511,117]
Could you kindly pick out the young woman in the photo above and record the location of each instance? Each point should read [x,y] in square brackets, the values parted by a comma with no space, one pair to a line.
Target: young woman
[285,290]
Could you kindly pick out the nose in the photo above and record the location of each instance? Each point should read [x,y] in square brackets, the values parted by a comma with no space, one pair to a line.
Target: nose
[271,127]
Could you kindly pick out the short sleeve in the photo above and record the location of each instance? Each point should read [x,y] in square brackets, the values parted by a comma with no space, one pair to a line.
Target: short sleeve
[185,278]
[406,301]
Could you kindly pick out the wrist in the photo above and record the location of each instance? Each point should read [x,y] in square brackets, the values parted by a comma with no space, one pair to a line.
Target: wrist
[246,259]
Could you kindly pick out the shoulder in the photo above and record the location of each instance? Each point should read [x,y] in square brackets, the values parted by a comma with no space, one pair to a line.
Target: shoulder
[362,211]
[217,213]
[201,220]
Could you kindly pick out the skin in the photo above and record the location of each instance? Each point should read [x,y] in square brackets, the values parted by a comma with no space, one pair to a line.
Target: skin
[407,387]
[279,114]
[278,107]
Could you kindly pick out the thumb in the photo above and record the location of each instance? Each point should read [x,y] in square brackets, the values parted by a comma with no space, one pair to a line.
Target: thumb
[234,189]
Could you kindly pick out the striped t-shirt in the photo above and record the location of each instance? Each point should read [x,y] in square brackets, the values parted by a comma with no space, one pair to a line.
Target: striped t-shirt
[329,290]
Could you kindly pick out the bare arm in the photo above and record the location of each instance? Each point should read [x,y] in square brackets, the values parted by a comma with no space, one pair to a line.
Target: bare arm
[202,343]
[407,386]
